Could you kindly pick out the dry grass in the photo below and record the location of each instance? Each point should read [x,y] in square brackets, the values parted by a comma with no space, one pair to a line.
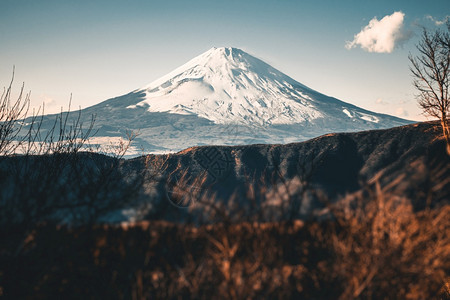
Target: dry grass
[380,248]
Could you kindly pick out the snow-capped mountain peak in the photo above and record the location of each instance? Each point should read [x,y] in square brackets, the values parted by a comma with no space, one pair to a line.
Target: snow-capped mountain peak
[229,86]
[225,96]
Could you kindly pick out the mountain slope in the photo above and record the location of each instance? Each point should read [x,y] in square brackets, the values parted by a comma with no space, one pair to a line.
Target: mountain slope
[227,85]
[408,162]
[227,97]
[292,180]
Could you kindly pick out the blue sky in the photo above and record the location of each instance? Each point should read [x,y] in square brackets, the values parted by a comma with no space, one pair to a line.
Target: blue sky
[101,49]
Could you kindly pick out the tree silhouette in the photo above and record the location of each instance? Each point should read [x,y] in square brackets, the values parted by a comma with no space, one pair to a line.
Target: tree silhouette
[430,69]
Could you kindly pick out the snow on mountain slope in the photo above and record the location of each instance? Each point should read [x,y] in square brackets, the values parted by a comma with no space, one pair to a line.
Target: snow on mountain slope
[225,97]
[226,85]
[229,86]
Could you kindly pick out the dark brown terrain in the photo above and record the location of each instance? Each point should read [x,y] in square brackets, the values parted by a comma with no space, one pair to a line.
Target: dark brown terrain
[347,215]
[408,162]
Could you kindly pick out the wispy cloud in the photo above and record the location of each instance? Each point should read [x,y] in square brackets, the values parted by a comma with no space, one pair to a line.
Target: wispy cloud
[381,101]
[44,104]
[401,112]
[380,36]
[436,21]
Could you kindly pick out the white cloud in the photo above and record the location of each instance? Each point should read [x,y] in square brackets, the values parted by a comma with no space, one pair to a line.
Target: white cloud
[380,36]
[381,101]
[47,101]
[44,104]
[436,21]
[401,112]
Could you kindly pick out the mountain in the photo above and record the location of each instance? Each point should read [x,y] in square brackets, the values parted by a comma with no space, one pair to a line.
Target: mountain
[229,86]
[226,96]
[409,163]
